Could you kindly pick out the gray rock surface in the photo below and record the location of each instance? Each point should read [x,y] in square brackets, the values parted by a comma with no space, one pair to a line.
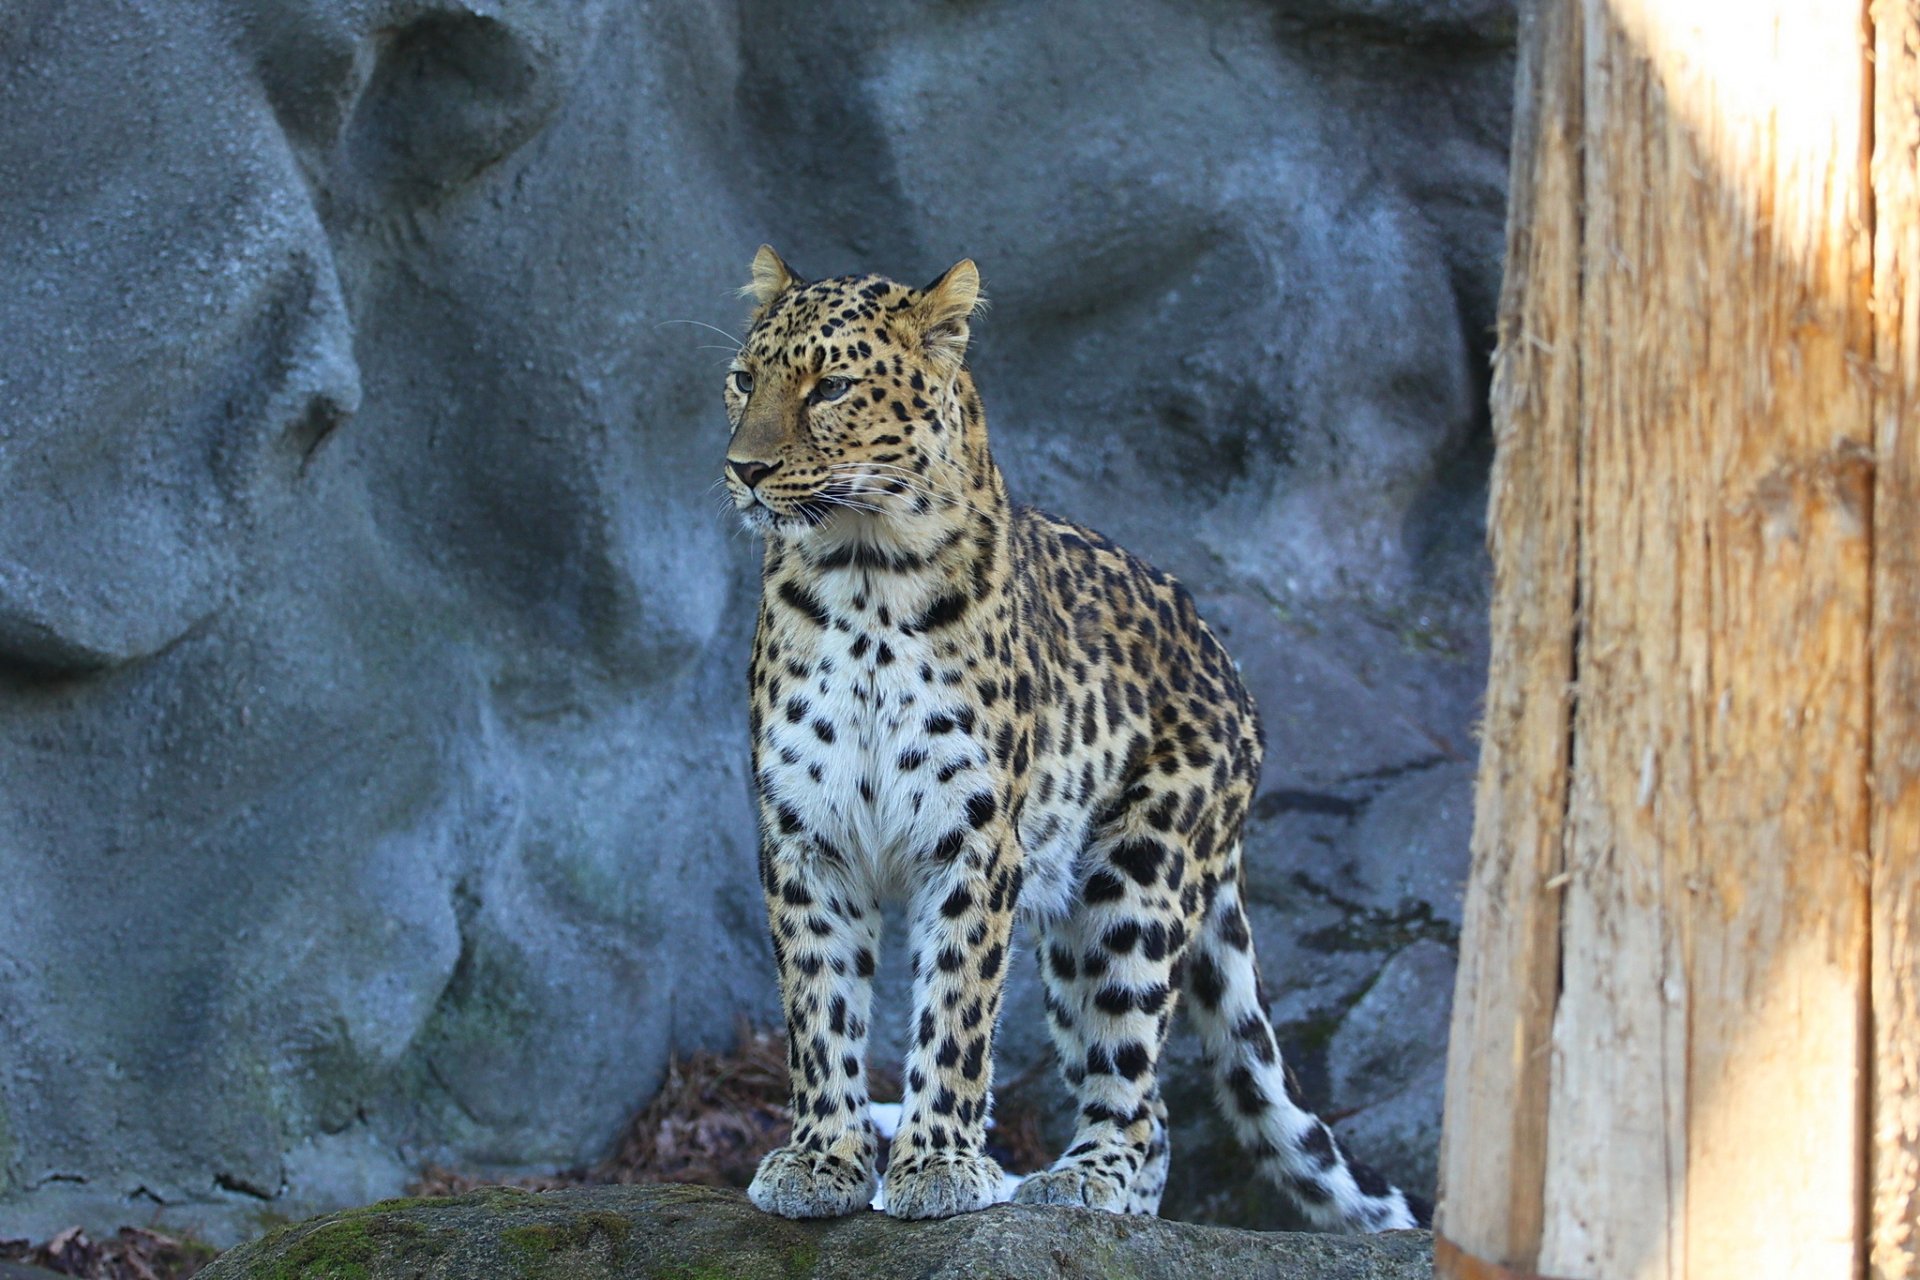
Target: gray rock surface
[683,1233]
[20,1271]
[372,741]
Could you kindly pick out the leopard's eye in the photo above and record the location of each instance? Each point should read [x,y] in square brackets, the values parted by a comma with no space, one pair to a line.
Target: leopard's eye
[831,388]
[743,382]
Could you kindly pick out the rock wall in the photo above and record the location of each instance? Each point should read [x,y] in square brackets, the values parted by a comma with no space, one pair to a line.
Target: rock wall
[372,743]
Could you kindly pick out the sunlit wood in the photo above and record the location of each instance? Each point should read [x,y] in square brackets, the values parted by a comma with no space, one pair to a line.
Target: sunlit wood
[1895,1127]
[1700,778]
[1493,1146]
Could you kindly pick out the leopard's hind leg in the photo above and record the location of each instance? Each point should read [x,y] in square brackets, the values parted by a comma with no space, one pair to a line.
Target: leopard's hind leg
[1109,966]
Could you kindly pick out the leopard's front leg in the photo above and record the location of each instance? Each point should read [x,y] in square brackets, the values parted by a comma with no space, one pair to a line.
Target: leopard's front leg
[824,940]
[962,919]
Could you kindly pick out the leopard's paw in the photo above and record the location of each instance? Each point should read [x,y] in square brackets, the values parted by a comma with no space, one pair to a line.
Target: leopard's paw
[1073,1184]
[796,1183]
[939,1184]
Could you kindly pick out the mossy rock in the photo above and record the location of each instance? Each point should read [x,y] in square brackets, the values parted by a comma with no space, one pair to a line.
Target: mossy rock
[696,1233]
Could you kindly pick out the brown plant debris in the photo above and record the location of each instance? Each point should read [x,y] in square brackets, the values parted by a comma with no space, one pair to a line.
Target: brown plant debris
[134,1254]
[718,1113]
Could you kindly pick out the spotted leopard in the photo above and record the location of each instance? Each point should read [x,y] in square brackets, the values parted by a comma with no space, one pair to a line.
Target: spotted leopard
[975,708]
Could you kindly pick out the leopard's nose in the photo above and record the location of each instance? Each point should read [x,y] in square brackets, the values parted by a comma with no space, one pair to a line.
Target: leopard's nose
[751,473]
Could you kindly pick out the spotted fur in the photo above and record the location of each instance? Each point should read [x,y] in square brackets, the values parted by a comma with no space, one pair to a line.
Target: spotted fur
[979,708]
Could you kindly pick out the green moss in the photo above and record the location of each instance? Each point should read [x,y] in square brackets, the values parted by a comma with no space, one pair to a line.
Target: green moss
[538,1239]
[543,1248]
[196,1251]
[345,1246]
[801,1259]
[698,1271]
[338,1250]
[268,1223]
[611,1224]
[399,1203]
[795,1260]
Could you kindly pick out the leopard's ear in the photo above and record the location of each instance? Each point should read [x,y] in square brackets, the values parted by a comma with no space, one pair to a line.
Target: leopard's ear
[944,309]
[771,278]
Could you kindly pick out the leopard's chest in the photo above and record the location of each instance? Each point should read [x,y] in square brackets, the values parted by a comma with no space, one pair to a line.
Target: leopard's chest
[872,745]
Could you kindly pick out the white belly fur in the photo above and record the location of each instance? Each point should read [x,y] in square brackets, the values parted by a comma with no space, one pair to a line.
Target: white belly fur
[880,713]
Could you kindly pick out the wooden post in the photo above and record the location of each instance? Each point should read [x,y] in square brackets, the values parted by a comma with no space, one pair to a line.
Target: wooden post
[1895,1126]
[1494,1139]
[1687,1031]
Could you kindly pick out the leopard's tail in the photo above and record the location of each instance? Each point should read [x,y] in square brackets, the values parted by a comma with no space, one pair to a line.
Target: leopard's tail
[1261,1098]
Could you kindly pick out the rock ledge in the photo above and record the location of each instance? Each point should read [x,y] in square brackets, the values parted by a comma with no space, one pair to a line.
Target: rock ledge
[697,1233]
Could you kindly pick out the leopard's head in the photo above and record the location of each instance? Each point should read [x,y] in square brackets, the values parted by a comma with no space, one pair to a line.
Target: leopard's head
[845,401]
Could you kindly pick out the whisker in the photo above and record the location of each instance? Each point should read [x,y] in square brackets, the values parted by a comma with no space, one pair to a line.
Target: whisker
[891,471]
[841,496]
[737,344]
[911,481]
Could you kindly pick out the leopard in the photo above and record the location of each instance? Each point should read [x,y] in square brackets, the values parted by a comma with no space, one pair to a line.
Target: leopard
[968,711]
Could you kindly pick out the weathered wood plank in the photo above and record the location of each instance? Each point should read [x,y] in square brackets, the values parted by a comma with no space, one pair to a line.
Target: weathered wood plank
[1613,1093]
[1894,1222]
[1701,379]
[1706,1067]
[1494,1141]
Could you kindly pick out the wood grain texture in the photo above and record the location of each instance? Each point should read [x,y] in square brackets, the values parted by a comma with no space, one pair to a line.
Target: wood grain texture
[1704,1115]
[1494,1140]
[1894,1221]
[1686,358]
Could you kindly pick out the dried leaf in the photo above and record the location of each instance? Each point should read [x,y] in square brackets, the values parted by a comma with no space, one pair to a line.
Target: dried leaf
[135,1254]
[716,1115]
